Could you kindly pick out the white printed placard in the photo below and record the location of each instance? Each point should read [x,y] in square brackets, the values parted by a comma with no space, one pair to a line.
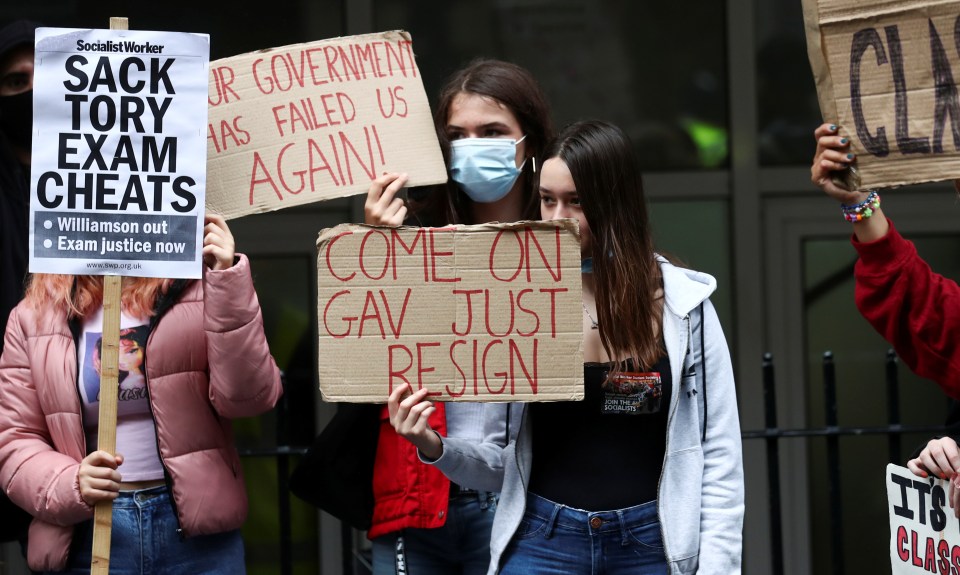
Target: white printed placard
[924,530]
[118,174]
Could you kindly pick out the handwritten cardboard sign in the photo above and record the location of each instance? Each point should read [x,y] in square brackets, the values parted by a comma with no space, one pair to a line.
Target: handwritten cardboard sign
[473,313]
[924,531]
[310,122]
[119,171]
[886,73]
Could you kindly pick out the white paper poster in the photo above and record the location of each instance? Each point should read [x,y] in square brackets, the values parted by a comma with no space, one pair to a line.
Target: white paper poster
[924,531]
[118,174]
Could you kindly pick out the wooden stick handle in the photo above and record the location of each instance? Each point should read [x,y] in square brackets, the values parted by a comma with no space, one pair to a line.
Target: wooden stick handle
[107,425]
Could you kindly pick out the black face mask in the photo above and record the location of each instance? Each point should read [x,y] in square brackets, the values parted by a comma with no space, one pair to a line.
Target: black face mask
[16,118]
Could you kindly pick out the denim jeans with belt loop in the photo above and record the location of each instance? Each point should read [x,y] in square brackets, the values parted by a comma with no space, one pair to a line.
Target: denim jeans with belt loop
[554,539]
[461,545]
[144,540]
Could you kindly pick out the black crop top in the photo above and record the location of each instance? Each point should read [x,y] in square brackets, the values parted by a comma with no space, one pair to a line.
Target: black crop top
[605,452]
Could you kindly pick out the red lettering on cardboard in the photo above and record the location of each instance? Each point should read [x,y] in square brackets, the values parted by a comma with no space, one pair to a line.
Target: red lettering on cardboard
[332,241]
[456,365]
[434,254]
[493,252]
[223,77]
[556,271]
[486,294]
[553,307]
[469,294]
[420,366]
[398,104]
[536,327]
[363,249]
[228,129]
[394,372]
[349,320]
[396,238]
[317,162]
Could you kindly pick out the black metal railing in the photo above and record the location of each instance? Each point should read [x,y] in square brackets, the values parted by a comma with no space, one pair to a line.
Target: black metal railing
[771,434]
[832,432]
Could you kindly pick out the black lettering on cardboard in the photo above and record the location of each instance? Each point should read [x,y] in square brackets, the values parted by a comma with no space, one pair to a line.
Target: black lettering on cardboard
[907,145]
[876,145]
[946,92]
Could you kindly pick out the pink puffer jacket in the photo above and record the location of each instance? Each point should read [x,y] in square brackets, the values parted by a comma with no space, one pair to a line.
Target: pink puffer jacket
[207,362]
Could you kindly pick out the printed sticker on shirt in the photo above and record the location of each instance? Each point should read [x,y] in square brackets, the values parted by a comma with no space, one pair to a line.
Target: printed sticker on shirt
[632,394]
[131,378]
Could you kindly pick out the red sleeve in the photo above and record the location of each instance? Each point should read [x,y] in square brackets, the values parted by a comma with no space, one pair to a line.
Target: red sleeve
[913,308]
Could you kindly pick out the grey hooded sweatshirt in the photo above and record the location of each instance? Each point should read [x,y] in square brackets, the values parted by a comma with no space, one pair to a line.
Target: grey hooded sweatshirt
[700,503]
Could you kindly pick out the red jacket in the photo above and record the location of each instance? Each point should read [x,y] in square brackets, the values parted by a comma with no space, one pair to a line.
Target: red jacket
[913,308]
[407,492]
[208,362]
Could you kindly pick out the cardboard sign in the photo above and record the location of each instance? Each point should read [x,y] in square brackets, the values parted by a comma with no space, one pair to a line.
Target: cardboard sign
[119,172]
[473,313]
[310,122]
[924,531]
[885,73]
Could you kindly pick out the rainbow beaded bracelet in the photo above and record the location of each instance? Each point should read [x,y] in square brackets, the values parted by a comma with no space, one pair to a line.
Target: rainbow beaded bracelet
[863,210]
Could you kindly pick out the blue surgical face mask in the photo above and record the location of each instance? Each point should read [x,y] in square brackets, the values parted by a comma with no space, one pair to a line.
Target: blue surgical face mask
[484,168]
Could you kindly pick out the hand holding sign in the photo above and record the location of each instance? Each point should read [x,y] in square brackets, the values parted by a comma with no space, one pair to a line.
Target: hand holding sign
[98,477]
[383,207]
[832,158]
[833,155]
[218,244]
[940,458]
[409,416]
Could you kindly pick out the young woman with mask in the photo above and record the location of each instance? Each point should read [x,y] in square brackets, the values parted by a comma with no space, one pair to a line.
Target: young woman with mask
[653,481]
[493,121]
[175,480]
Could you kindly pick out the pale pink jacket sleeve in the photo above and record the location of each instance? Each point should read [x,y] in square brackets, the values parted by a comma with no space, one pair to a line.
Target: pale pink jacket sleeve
[244,379]
[33,473]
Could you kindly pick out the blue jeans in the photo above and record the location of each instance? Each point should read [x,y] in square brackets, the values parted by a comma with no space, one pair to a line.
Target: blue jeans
[553,539]
[461,546]
[144,540]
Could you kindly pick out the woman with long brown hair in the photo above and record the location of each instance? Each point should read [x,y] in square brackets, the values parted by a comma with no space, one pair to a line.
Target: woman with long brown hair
[645,474]
[493,122]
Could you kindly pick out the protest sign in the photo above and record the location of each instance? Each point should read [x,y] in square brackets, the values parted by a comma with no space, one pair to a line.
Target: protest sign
[885,72]
[473,313]
[924,531]
[118,163]
[310,122]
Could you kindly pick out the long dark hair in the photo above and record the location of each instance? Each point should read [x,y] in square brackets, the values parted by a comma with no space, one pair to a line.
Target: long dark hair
[603,164]
[517,89]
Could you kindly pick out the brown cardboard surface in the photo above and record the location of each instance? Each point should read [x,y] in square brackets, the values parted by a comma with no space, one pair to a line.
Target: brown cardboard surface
[888,78]
[309,122]
[473,313]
